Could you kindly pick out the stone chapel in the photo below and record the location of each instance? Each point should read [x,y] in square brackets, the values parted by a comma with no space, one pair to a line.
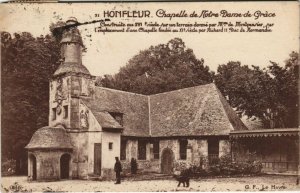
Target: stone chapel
[89,125]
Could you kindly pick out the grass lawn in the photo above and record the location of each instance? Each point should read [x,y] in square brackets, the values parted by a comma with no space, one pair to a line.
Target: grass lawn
[260,183]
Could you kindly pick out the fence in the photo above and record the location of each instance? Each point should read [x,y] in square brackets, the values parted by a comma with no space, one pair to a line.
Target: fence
[213,158]
[280,166]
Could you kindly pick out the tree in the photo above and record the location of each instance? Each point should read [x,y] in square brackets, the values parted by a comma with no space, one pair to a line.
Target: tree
[268,94]
[285,81]
[27,63]
[160,68]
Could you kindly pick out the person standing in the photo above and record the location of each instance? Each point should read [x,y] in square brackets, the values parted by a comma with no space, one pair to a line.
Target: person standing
[118,170]
[133,164]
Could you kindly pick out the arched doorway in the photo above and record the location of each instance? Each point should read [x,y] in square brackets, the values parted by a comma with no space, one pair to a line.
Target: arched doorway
[167,161]
[65,166]
[32,161]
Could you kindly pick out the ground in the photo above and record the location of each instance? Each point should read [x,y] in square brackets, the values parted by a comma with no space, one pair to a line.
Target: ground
[267,183]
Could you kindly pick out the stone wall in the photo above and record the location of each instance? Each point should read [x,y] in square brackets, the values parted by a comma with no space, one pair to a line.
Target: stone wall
[60,98]
[65,93]
[47,165]
[197,154]
[108,155]
[80,155]
[148,165]
[72,53]
[224,148]
[93,137]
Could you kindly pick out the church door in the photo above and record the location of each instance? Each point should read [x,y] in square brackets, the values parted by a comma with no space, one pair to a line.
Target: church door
[167,161]
[97,158]
[64,166]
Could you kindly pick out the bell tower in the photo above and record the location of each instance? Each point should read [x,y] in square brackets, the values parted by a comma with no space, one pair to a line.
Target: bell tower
[71,44]
[71,81]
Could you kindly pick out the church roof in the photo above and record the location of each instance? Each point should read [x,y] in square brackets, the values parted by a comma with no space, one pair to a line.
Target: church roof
[107,121]
[134,108]
[71,68]
[50,138]
[200,110]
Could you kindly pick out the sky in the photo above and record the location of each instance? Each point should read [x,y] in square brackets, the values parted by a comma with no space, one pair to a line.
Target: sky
[106,53]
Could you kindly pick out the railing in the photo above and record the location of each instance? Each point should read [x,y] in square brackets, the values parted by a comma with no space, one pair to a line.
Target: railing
[280,165]
[213,158]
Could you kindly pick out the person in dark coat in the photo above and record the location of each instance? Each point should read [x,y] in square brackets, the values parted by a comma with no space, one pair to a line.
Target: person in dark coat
[133,166]
[118,170]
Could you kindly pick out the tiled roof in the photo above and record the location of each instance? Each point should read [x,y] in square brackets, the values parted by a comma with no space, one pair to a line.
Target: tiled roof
[50,138]
[276,132]
[133,106]
[106,120]
[200,110]
[71,68]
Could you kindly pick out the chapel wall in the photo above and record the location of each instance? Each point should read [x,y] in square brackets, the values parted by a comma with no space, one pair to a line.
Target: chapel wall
[47,164]
[196,154]
[108,155]
[60,102]
[80,154]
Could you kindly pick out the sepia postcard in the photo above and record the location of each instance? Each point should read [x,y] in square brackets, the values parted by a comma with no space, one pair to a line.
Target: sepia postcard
[150,96]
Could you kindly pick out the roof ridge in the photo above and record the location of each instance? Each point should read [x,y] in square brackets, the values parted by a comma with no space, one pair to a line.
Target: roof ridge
[111,89]
[202,85]
[122,91]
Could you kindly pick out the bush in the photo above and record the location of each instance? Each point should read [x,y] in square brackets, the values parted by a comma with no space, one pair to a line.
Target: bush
[8,167]
[228,167]
[225,167]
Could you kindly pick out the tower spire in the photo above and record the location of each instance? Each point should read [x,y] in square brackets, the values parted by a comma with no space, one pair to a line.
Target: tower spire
[71,46]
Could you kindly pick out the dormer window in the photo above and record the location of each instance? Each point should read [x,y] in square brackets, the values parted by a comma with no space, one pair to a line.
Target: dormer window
[118,117]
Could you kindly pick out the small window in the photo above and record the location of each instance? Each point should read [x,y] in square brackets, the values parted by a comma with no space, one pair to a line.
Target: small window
[110,145]
[156,149]
[53,113]
[183,149]
[123,149]
[84,86]
[141,150]
[118,117]
[66,111]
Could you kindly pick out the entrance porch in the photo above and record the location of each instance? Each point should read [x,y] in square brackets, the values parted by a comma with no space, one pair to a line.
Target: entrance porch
[276,149]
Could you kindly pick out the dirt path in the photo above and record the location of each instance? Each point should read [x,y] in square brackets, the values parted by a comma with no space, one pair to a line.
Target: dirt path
[267,183]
